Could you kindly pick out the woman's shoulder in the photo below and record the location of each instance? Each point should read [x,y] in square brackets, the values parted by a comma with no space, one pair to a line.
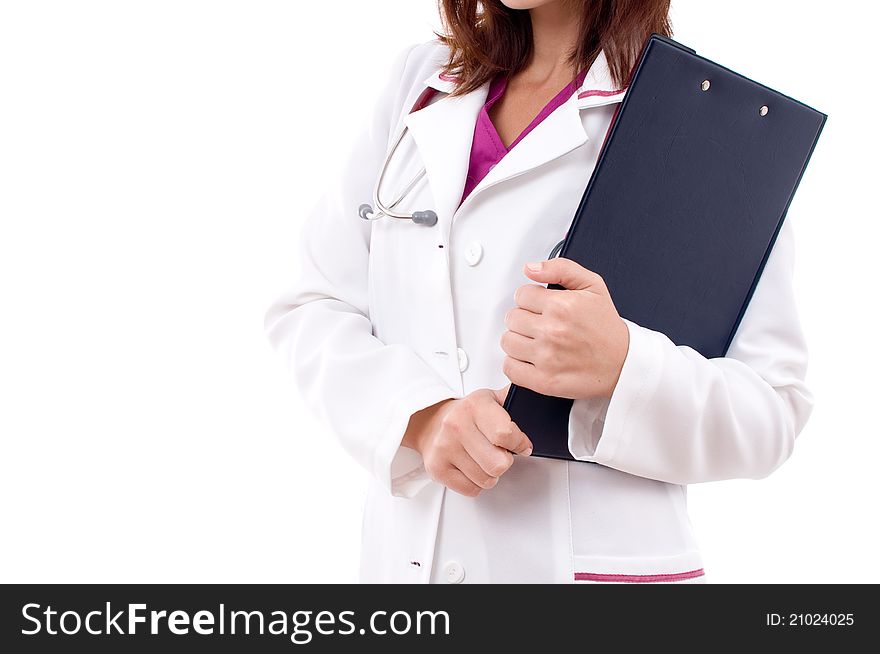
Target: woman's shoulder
[413,67]
[420,61]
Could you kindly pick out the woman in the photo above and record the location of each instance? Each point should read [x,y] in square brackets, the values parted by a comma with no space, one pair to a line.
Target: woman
[404,336]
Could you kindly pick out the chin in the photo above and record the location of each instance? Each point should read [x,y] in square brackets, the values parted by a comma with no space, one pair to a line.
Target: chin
[526,4]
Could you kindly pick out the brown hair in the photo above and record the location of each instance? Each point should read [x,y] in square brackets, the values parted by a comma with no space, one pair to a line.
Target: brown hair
[486,37]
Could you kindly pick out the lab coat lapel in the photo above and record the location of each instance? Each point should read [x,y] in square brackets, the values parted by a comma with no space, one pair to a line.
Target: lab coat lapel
[558,134]
[443,132]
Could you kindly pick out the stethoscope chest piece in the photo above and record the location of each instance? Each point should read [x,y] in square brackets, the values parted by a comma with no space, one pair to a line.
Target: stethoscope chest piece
[427,218]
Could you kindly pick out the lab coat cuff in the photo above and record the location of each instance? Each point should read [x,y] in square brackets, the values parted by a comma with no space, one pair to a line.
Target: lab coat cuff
[598,428]
[401,469]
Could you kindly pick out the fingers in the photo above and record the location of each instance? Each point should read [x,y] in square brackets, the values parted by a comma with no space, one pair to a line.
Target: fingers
[519,372]
[500,432]
[513,439]
[456,480]
[466,464]
[480,460]
[523,322]
[450,465]
[493,461]
[531,297]
[566,273]
[519,347]
[474,443]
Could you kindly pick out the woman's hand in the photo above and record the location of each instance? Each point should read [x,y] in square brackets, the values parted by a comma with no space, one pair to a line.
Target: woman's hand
[466,444]
[566,343]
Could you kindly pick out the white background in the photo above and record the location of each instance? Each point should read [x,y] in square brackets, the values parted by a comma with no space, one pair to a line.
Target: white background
[156,158]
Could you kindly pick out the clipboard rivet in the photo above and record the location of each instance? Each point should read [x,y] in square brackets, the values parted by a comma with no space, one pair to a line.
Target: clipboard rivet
[764,110]
[705,85]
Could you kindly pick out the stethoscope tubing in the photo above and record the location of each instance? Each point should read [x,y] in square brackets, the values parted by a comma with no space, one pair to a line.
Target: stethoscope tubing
[388,210]
[427,218]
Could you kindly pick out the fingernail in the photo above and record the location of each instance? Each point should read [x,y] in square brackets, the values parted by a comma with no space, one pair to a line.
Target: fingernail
[535,267]
[529,452]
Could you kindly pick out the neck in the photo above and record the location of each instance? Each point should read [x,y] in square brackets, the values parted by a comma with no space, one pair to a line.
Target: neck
[555,33]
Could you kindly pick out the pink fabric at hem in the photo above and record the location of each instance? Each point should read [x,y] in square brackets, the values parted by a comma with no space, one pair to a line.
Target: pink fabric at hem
[639,579]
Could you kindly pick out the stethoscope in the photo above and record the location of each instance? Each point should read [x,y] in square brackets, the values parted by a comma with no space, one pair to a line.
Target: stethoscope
[427,218]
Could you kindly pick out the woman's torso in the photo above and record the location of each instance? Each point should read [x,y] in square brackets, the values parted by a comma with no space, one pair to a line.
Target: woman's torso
[444,291]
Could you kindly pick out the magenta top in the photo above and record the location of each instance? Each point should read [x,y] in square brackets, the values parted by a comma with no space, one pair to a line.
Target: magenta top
[488,148]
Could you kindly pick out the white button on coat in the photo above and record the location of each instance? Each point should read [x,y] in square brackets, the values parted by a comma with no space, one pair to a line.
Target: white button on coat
[473,253]
[454,572]
[463,361]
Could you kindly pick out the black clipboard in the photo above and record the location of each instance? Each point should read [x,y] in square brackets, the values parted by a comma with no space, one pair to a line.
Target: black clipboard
[688,195]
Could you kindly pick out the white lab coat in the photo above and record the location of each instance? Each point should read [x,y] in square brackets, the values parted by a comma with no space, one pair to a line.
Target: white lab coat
[389,317]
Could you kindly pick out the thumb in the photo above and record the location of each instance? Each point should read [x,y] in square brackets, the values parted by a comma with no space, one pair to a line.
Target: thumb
[501,394]
[564,272]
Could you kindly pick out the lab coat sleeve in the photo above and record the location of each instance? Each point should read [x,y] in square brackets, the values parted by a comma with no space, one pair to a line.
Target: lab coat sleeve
[678,417]
[362,388]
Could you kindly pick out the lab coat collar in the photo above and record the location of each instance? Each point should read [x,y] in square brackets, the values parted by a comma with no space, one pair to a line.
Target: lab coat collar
[597,90]
[441,82]
[443,132]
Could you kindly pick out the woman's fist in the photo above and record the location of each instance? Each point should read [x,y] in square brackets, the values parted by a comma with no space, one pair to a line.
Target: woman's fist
[566,343]
[466,444]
